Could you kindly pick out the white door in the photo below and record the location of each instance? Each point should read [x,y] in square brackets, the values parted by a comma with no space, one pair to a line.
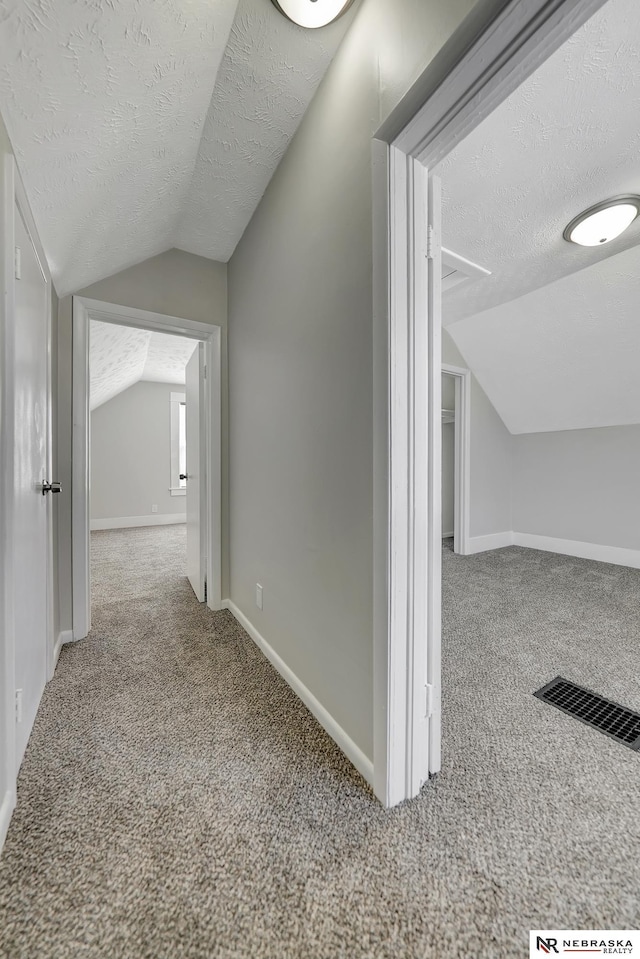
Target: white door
[31,472]
[196,475]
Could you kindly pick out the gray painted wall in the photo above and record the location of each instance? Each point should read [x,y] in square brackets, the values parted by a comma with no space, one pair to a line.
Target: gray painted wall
[579,485]
[491,457]
[176,284]
[131,453]
[300,369]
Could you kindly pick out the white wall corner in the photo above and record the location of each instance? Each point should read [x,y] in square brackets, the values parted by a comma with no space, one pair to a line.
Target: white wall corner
[480,544]
[353,752]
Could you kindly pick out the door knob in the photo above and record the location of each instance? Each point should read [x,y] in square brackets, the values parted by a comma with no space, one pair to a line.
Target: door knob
[183,476]
[54,487]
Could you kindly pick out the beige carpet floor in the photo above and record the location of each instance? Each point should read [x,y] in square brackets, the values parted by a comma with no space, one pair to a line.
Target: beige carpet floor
[177,800]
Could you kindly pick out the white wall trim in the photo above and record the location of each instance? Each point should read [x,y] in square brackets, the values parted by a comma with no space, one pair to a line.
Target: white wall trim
[66,636]
[494,50]
[487,58]
[462,466]
[84,309]
[353,752]
[7,806]
[480,544]
[404,502]
[130,522]
[175,401]
[80,474]
[618,555]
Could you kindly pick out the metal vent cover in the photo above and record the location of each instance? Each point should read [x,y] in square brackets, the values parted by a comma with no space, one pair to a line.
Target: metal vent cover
[610,718]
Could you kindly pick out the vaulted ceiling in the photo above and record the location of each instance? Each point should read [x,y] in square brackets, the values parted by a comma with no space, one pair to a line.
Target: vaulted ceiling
[150,124]
[553,333]
[120,356]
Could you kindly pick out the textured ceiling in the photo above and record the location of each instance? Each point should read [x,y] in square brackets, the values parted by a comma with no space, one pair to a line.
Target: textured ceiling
[553,334]
[564,356]
[567,138]
[120,356]
[106,103]
[270,71]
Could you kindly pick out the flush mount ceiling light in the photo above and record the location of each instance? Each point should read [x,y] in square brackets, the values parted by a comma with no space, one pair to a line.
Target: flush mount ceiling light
[604,221]
[312,13]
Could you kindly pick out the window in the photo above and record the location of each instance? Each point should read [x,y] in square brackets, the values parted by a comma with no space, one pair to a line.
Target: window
[178,444]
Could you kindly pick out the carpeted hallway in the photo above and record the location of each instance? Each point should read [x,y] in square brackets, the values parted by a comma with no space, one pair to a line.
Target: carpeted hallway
[177,800]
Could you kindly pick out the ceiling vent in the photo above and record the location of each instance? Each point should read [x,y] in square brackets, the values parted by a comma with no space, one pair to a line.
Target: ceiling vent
[456,270]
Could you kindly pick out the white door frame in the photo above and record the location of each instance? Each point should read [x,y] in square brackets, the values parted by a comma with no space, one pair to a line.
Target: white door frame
[85,309]
[495,49]
[12,194]
[462,455]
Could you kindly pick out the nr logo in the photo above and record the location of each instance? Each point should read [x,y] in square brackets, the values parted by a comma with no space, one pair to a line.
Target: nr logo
[547,945]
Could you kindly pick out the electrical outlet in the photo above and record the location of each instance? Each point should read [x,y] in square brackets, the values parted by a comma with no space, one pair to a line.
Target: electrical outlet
[154,508]
[258,595]
[18,705]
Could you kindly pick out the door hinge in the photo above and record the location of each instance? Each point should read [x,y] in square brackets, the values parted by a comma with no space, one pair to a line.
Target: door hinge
[433,242]
[18,264]
[428,700]
[18,705]
[205,372]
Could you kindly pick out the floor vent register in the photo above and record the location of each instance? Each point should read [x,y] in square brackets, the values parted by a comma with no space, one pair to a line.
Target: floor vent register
[613,720]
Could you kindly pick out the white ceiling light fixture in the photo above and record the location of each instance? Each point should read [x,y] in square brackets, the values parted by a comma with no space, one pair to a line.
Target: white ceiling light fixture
[604,221]
[312,13]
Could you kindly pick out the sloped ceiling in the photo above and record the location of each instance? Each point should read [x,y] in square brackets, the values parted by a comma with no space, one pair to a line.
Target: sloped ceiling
[150,124]
[564,356]
[545,332]
[120,356]
[269,73]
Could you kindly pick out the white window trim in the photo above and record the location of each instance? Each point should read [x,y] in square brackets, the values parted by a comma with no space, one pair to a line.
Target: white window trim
[175,489]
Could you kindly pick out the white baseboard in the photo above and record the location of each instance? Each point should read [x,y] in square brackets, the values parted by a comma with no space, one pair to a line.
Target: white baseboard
[66,636]
[448,535]
[617,555]
[6,810]
[480,544]
[326,720]
[129,522]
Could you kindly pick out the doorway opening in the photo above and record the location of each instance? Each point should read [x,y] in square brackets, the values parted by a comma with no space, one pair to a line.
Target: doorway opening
[488,58]
[146,442]
[147,462]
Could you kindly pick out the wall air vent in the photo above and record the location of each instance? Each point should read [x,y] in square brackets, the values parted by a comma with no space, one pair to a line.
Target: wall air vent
[457,270]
